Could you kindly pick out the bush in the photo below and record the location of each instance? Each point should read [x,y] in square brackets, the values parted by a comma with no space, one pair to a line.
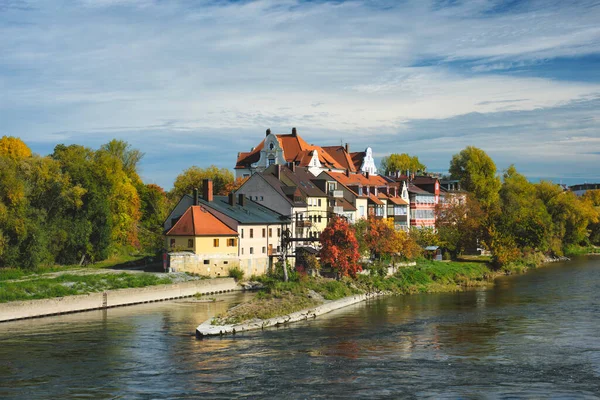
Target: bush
[236,273]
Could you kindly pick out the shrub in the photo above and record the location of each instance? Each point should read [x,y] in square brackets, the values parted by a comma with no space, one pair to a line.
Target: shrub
[236,273]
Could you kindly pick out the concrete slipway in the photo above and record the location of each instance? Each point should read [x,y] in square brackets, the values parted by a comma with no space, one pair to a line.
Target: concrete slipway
[113,298]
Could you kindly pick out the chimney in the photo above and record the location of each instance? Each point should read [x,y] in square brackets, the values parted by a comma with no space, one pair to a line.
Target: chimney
[195,196]
[347,172]
[347,148]
[277,171]
[367,174]
[241,200]
[294,132]
[232,199]
[268,132]
[207,190]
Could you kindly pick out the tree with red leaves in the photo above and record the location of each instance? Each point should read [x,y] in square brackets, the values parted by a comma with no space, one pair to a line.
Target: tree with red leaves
[340,247]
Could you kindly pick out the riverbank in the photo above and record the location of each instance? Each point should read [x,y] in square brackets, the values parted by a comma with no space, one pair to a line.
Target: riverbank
[113,298]
[287,302]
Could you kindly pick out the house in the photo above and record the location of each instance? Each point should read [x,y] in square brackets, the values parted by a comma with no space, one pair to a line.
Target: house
[288,149]
[258,229]
[213,242]
[580,189]
[291,192]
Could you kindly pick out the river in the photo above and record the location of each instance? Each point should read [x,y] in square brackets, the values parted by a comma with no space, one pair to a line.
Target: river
[531,336]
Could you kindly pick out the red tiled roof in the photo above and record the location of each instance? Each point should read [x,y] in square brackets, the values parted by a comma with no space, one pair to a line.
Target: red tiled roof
[197,221]
[375,200]
[295,149]
[358,179]
[357,159]
[340,155]
[398,200]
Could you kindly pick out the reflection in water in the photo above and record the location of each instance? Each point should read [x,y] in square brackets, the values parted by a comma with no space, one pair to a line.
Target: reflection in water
[529,336]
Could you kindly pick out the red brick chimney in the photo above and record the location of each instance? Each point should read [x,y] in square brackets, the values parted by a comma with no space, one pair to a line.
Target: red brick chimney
[232,199]
[347,172]
[347,148]
[207,190]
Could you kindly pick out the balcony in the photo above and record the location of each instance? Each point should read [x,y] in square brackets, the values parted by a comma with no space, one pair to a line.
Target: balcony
[338,194]
[304,224]
[338,210]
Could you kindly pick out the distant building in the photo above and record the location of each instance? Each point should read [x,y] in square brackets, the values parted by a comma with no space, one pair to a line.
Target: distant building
[580,189]
[225,231]
[291,149]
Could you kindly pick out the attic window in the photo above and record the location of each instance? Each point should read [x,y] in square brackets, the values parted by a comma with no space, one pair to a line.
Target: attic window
[271,146]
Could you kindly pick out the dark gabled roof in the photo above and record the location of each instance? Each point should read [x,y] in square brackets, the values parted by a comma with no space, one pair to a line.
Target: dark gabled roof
[302,179]
[287,192]
[417,190]
[341,156]
[250,213]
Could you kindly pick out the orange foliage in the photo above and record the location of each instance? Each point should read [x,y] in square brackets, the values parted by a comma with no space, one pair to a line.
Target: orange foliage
[340,248]
[14,148]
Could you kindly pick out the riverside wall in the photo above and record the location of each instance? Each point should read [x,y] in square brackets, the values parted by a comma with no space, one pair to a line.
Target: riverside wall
[113,298]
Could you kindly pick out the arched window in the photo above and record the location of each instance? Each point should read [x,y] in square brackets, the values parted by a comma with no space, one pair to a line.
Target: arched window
[271,146]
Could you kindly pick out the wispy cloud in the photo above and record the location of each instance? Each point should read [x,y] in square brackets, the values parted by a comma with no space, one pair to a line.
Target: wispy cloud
[205,71]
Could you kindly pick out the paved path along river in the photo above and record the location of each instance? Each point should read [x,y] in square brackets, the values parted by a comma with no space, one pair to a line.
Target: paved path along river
[531,336]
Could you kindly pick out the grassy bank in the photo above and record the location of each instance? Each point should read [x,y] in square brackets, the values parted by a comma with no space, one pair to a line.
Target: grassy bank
[281,298]
[72,284]
[573,251]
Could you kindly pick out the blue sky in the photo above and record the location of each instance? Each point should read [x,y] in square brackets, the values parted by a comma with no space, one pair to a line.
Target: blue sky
[195,82]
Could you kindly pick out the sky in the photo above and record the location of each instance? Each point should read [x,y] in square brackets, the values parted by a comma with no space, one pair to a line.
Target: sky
[196,82]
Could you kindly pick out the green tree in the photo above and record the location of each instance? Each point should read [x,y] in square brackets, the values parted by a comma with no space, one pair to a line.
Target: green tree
[477,174]
[401,164]
[193,177]
[459,223]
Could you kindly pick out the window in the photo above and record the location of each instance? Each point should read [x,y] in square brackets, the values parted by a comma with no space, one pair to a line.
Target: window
[242,233]
[225,262]
[278,249]
[270,232]
[206,262]
[262,198]
[246,175]
[319,202]
[264,249]
[319,218]
[215,242]
[331,186]
[361,211]
[271,145]
[231,242]
[190,243]
[251,250]
[172,242]
[271,160]
[242,251]
[278,231]
[264,232]
[251,233]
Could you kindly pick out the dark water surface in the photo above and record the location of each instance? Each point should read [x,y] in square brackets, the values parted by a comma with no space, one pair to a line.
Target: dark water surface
[531,336]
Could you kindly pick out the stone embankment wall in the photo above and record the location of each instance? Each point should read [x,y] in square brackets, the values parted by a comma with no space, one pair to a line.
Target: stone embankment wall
[207,329]
[112,298]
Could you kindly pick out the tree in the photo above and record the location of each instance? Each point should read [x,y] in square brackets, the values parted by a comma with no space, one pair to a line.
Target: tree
[401,164]
[340,248]
[154,209]
[459,223]
[523,215]
[477,174]
[14,148]
[193,177]
[233,186]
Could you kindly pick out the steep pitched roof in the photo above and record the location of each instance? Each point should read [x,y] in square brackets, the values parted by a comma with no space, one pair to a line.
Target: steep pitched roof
[198,221]
[295,149]
[357,159]
[302,179]
[250,213]
[341,156]
[358,179]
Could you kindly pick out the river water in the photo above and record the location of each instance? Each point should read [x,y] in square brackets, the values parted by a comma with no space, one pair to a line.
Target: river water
[530,336]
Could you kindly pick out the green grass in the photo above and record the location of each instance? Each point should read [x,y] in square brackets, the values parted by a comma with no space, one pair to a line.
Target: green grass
[19,273]
[70,284]
[572,251]
[281,298]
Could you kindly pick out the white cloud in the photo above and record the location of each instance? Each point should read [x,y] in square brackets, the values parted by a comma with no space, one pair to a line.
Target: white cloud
[84,71]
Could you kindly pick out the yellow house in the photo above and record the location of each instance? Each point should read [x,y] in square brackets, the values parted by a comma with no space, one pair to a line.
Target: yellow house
[212,243]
